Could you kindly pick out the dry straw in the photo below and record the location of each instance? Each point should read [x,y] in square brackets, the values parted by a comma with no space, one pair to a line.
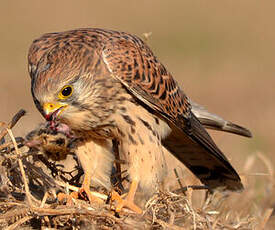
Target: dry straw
[164,210]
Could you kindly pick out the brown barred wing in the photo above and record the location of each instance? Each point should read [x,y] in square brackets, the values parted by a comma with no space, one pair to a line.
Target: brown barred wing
[133,63]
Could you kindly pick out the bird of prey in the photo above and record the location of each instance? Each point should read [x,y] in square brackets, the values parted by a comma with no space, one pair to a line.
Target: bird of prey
[108,85]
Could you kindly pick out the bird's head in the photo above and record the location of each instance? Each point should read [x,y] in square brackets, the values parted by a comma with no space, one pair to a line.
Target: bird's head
[61,90]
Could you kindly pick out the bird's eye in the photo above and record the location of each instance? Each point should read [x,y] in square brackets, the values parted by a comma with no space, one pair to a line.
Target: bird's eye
[65,92]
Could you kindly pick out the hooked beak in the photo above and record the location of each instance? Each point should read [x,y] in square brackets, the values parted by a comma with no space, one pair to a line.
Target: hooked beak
[53,110]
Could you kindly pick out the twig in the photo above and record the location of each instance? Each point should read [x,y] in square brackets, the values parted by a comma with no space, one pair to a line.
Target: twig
[14,120]
[57,211]
[266,217]
[19,222]
[167,225]
[193,187]
[6,145]
[178,179]
[21,168]
[76,189]
[267,163]
[3,146]
[44,200]
[119,173]
[16,211]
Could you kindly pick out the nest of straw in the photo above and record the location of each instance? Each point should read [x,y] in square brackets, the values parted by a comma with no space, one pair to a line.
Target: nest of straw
[29,183]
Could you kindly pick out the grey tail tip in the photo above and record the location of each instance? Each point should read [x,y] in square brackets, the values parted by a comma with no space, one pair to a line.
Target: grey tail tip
[231,127]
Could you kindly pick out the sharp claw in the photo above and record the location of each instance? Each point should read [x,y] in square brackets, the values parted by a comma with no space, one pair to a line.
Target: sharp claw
[90,196]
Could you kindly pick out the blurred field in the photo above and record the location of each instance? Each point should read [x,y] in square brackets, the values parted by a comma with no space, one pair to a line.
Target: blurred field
[221,52]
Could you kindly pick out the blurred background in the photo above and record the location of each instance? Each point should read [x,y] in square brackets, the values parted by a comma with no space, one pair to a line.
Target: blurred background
[221,52]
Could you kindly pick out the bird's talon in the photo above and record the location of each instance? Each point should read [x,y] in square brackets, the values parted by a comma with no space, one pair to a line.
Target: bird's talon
[121,203]
[68,197]
[82,193]
[90,196]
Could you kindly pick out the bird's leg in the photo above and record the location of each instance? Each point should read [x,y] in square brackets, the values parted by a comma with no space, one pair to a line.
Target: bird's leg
[85,188]
[128,202]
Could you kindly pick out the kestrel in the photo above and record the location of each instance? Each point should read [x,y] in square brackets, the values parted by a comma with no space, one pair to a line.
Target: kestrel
[108,85]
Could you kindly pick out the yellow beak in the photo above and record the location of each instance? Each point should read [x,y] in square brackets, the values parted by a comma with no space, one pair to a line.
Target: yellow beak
[53,110]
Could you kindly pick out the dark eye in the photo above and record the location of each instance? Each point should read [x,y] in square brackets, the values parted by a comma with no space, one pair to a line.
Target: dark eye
[66,92]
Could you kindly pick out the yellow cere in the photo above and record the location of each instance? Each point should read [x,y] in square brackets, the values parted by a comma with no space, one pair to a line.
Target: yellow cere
[52,107]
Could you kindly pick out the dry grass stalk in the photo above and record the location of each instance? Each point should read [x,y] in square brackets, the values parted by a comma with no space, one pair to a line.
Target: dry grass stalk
[165,210]
[21,168]
[266,217]
[12,123]
[19,222]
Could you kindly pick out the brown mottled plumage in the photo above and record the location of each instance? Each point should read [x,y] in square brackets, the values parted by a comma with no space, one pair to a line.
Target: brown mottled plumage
[108,85]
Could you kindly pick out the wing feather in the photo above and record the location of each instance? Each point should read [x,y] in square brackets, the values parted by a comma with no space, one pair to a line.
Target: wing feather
[213,121]
[132,62]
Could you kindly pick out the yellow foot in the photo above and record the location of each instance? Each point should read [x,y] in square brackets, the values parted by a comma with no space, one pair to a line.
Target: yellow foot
[128,202]
[92,198]
[80,194]
[67,197]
